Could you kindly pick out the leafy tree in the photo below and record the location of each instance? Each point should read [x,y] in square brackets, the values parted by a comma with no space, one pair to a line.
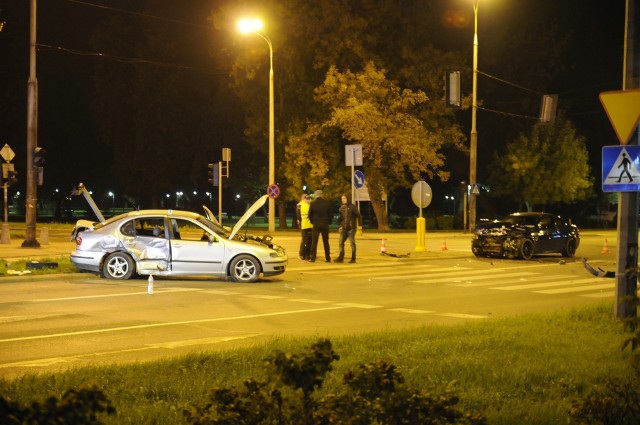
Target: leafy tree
[367,108]
[550,165]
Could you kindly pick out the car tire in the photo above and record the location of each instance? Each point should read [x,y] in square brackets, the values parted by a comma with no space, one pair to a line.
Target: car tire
[569,249]
[119,266]
[525,250]
[244,268]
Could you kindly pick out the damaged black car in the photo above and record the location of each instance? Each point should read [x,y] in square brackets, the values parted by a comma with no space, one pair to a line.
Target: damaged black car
[525,234]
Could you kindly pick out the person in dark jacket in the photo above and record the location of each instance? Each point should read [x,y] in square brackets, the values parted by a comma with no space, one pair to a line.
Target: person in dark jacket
[350,220]
[320,215]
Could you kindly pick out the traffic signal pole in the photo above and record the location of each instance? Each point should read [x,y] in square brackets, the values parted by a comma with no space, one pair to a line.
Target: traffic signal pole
[32,139]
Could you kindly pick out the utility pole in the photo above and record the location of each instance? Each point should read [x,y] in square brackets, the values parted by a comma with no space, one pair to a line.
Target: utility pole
[32,138]
[627,270]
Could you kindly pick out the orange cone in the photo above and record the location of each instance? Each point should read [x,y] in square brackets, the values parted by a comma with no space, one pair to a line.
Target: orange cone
[444,246]
[605,248]
[383,247]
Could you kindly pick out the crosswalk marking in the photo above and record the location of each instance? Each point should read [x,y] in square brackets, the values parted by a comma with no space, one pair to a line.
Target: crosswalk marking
[411,311]
[520,280]
[549,284]
[576,289]
[472,276]
[603,294]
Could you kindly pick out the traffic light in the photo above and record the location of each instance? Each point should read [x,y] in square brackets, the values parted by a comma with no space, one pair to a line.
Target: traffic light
[212,175]
[38,157]
[9,174]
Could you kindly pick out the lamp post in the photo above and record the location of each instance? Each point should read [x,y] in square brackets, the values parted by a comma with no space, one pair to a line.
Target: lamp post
[473,147]
[254,26]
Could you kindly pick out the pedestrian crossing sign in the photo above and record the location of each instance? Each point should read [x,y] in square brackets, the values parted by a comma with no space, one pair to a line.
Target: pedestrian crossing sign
[621,168]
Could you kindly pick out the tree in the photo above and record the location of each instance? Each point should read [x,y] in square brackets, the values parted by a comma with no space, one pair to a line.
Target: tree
[550,165]
[367,108]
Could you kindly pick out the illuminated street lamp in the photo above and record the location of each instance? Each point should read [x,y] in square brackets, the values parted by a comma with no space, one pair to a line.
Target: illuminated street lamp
[254,26]
[473,145]
[113,199]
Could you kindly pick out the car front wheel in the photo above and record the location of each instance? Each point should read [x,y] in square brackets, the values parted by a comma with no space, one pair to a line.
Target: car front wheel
[525,250]
[118,265]
[569,249]
[244,268]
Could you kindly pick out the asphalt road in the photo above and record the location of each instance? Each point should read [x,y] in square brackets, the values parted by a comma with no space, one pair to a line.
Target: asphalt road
[58,322]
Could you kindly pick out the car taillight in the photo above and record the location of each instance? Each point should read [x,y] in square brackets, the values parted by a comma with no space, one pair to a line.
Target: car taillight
[78,241]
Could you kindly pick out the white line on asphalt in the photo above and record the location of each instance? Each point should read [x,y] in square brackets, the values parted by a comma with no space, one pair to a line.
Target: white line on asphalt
[462,316]
[470,278]
[603,294]
[166,324]
[263,297]
[157,290]
[354,305]
[549,284]
[308,301]
[411,311]
[576,289]
[533,278]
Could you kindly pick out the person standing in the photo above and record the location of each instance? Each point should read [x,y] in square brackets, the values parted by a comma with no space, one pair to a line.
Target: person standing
[350,220]
[302,213]
[320,216]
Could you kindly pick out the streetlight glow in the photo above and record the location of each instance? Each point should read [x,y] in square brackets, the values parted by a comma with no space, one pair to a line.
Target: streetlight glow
[253,26]
[249,25]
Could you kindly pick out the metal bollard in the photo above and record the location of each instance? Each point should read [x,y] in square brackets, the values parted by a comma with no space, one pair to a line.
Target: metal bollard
[44,236]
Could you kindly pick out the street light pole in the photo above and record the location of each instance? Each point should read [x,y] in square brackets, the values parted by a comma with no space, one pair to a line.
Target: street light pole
[253,26]
[473,147]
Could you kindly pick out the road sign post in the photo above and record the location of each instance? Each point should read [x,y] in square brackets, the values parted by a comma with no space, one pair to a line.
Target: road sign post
[421,195]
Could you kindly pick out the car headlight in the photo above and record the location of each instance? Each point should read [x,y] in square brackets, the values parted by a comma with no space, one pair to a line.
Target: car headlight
[279,252]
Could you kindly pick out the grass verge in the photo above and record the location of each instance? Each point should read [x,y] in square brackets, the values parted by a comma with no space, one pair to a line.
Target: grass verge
[524,370]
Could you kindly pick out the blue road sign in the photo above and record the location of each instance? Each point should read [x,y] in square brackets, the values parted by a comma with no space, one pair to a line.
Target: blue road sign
[358,179]
[621,168]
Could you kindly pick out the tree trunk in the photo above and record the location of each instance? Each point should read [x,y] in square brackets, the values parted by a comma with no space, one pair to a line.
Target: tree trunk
[381,214]
[282,214]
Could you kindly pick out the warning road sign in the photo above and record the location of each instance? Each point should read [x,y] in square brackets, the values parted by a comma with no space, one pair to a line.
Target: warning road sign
[621,168]
[623,109]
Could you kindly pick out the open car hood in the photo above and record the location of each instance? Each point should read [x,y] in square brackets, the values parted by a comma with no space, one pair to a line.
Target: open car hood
[251,211]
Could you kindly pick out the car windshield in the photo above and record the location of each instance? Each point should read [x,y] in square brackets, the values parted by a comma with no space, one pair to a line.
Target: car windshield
[213,226]
[522,220]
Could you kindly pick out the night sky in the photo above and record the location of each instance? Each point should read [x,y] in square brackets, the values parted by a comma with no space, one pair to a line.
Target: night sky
[67,124]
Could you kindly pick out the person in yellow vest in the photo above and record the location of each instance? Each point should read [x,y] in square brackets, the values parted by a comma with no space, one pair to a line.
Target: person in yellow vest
[302,214]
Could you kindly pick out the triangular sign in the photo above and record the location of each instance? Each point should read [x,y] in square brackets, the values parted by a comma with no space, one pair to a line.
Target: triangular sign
[623,109]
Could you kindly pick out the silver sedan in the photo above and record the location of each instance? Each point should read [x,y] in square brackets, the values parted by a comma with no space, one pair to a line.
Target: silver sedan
[175,243]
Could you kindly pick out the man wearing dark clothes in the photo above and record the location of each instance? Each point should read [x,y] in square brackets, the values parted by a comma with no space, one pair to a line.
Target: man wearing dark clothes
[320,215]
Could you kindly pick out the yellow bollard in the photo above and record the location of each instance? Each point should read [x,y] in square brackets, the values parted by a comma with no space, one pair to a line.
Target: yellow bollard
[420,234]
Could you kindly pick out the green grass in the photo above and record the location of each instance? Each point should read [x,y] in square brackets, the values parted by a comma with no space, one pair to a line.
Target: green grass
[524,370]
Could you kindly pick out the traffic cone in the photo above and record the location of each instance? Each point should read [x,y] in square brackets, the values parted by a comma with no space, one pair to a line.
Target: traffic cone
[605,248]
[444,245]
[383,247]
[150,285]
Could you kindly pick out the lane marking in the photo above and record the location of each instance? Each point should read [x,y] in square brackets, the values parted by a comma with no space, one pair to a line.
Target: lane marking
[472,277]
[576,289]
[549,284]
[354,305]
[462,316]
[308,301]
[263,297]
[510,281]
[411,311]
[167,324]
[128,294]
[603,294]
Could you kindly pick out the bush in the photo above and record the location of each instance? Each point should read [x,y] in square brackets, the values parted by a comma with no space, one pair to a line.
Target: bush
[375,395]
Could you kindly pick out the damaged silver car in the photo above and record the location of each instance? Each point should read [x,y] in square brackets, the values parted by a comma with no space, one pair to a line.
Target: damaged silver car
[524,234]
[176,243]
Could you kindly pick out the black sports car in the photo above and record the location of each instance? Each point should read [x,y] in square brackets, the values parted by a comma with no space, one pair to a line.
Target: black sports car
[523,234]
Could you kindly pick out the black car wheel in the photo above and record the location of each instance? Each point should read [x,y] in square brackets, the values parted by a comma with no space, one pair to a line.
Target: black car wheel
[118,265]
[525,251]
[569,249]
[244,268]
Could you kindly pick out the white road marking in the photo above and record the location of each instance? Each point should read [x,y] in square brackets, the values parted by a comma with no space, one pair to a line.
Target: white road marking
[575,289]
[462,315]
[411,311]
[126,294]
[550,284]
